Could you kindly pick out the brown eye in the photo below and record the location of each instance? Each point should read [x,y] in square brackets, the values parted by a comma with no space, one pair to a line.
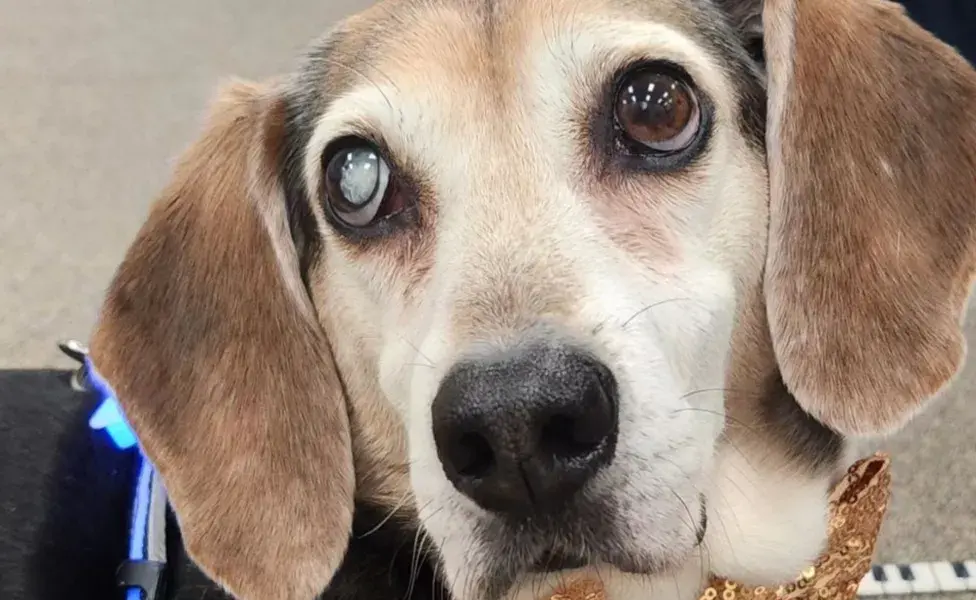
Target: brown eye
[357,185]
[657,111]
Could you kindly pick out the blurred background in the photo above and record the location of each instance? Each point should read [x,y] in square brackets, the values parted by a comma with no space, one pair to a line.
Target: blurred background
[97,97]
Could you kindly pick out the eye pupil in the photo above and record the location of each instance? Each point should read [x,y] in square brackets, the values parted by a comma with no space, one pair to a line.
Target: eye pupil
[657,111]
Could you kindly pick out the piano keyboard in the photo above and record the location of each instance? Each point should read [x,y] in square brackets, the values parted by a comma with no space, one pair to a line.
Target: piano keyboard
[919,578]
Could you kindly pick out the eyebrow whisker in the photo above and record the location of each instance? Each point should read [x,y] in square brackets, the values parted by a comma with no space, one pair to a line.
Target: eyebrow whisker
[336,63]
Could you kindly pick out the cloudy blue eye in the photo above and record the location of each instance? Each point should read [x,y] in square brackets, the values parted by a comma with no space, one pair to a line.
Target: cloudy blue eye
[357,179]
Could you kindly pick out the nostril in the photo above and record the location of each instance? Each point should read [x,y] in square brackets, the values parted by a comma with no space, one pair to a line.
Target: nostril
[565,436]
[583,433]
[473,456]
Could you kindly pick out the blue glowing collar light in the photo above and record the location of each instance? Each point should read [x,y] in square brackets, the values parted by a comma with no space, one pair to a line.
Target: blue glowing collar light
[142,575]
[108,416]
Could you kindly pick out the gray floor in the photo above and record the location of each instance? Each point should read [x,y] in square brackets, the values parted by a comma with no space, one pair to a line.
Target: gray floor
[96,98]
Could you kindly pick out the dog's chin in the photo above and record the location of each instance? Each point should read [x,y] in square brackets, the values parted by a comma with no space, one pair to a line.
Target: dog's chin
[555,562]
[528,556]
[679,581]
[533,570]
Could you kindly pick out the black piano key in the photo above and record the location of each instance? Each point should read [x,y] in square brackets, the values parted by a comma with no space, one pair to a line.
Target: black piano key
[879,573]
[906,572]
[961,571]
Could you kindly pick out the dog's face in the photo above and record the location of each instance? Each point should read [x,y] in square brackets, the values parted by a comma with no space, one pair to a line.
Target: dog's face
[536,220]
[535,229]
[538,275]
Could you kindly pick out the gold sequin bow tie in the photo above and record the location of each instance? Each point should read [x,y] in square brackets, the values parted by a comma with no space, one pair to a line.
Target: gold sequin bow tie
[857,508]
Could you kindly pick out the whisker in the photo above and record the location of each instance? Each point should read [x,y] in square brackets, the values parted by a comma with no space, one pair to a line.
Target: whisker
[419,365]
[721,521]
[386,519]
[741,474]
[440,576]
[723,437]
[677,586]
[336,63]
[734,481]
[691,519]
[652,306]
[433,581]
[414,564]
[419,554]
[640,312]
[724,416]
[723,390]
[430,363]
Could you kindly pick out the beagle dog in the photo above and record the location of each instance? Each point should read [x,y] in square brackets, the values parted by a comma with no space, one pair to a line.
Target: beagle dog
[549,286]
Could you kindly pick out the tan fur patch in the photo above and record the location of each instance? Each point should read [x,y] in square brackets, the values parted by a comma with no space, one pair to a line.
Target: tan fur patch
[230,387]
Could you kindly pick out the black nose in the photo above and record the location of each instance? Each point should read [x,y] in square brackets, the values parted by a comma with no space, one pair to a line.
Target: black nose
[521,434]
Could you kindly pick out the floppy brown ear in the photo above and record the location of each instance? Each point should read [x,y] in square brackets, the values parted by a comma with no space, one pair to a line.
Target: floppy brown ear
[871,145]
[211,344]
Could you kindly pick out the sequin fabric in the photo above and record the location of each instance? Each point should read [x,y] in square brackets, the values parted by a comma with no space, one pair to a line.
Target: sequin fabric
[857,508]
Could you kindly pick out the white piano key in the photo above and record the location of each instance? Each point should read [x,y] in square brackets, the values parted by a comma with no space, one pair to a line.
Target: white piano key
[895,585]
[924,582]
[971,567]
[869,586]
[946,576]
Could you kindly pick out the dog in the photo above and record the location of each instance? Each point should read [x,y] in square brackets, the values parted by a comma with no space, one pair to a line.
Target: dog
[491,292]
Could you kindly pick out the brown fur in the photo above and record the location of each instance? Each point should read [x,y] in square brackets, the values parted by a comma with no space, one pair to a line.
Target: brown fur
[244,417]
[869,267]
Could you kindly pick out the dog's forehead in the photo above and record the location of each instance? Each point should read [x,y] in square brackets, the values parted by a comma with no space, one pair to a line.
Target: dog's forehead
[397,18]
[403,39]
[470,77]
